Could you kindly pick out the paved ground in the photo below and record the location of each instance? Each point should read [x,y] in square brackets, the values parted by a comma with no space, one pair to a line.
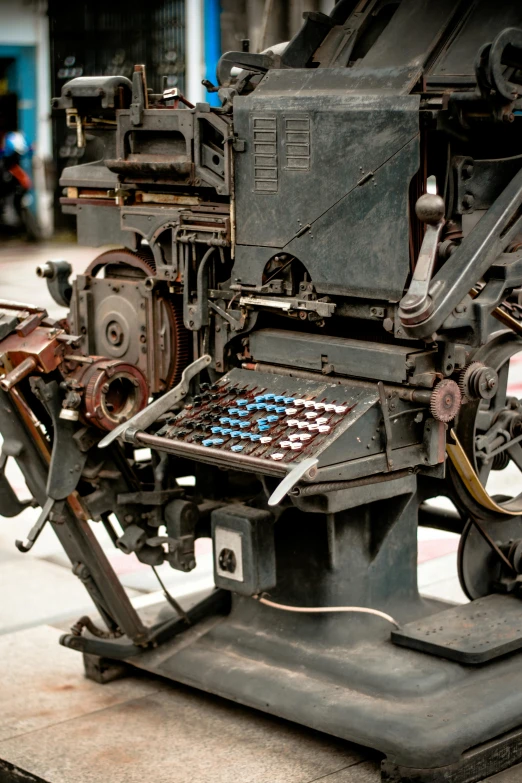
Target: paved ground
[40,590]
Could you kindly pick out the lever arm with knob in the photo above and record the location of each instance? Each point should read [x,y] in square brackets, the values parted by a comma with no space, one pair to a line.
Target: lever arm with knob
[416,304]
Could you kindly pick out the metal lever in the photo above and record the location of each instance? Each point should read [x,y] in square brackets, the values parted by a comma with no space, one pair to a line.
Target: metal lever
[34,533]
[150,414]
[416,305]
[290,480]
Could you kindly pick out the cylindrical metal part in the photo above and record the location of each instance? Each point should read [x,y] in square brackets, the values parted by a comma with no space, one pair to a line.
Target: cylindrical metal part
[440,519]
[20,372]
[213,456]
[333,486]
[421,396]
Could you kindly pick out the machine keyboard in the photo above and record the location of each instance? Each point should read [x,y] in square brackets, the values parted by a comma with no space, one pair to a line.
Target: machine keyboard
[260,421]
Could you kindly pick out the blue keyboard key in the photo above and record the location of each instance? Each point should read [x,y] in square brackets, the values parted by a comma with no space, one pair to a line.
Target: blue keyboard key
[260,398]
[271,419]
[235,434]
[271,407]
[207,442]
[233,411]
[288,400]
[226,430]
[225,420]
[234,422]
[279,398]
[269,396]
[241,402]
[237,447]
[263,427]
[245,436]
[243,413]
[280,409]
[252,406]
[244,424]
[261,406]
[262,421]
[217,441]
[254,437]
[216,430]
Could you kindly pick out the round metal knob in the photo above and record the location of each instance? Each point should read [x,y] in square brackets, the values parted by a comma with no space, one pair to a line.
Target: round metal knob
[430,208]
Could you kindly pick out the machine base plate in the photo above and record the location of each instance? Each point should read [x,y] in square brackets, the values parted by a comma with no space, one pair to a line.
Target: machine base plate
[434,719]
[473,633]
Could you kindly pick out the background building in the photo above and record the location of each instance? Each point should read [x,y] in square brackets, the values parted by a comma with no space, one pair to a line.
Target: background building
[44,43]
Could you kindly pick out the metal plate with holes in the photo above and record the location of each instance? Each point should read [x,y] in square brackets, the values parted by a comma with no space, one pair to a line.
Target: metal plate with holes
[472,633]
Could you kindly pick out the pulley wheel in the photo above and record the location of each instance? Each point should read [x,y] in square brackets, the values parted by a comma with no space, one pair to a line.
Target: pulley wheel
[479,566]
[490,432]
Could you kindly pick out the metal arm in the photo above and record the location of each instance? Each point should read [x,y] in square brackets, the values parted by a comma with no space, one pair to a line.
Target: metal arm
[490,237]
[417,302]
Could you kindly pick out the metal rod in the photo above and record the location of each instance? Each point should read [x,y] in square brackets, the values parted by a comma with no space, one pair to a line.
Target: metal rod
[21,371]
[333,486]
[440,519]
[213,456]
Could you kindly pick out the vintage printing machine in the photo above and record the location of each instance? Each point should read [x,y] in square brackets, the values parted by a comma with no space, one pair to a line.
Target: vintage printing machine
[313,309]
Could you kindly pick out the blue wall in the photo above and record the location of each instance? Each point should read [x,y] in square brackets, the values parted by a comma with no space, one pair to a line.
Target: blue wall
[212,31]
[21,78]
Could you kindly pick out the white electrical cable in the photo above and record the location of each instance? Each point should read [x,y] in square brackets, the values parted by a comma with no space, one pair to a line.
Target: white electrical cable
[319,609]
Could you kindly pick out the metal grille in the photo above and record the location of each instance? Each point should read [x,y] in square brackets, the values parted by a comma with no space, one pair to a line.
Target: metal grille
[102,38]
[297,142]
[265,154]
[108,37]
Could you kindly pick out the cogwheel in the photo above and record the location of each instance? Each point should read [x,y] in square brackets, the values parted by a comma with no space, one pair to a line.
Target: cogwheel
[464,380]
[445,401]
[478,381]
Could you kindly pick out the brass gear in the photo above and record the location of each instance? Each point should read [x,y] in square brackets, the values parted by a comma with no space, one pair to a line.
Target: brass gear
[172,306]
[445,401]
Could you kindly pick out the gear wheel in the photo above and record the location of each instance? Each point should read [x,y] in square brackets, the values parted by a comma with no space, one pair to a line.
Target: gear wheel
[478,382]
[445,401]
[172,336]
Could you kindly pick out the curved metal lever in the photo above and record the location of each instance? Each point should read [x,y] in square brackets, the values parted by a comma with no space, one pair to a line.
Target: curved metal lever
[291,479]
[34,533]
[416,304]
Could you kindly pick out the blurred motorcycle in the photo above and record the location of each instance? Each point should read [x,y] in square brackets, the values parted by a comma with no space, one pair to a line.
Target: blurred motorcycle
[16,197]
